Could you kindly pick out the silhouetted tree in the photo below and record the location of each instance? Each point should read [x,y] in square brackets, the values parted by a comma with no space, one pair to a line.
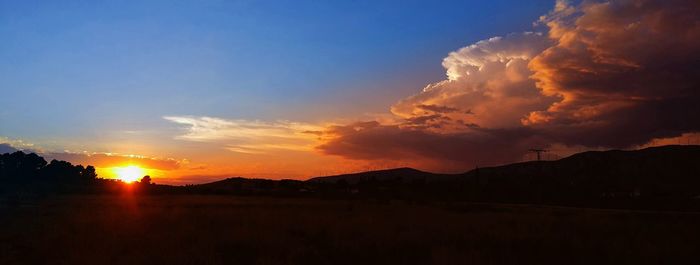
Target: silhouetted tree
[89,173]
[20,172]
[146,180]
[62,171]
[20,167]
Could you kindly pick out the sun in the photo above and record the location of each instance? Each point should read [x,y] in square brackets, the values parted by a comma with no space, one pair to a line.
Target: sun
[129,173]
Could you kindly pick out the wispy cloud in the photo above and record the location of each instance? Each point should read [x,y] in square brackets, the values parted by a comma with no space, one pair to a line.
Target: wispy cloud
[248,136]
[17,144]
[97,159]
[106,160]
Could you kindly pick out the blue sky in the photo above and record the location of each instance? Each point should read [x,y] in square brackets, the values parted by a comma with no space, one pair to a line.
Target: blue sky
[302,88]
[80,67]
[138,77]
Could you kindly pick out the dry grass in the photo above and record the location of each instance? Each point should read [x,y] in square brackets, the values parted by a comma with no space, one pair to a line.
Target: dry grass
[191,229]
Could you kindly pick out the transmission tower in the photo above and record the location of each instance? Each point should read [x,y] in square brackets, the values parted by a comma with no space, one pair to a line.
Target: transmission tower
[539,153]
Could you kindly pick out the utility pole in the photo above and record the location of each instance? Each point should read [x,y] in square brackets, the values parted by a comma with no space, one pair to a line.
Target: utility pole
[539,153]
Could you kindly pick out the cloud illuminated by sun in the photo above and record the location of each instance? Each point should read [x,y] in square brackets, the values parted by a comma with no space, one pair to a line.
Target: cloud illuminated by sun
[130,173]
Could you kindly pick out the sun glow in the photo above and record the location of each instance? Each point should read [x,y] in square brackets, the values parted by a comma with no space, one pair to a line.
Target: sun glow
[129,173]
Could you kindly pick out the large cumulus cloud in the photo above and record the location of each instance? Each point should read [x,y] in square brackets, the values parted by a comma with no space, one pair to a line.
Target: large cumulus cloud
[472,118]
[625,72]
[488,85]
[605,74]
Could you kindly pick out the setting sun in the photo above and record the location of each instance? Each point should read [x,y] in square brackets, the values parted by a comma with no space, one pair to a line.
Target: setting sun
[129,173]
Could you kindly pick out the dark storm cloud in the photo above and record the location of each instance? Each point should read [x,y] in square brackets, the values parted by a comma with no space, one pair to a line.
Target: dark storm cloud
[437,108]
[374,141]
[625,71]
[606,74]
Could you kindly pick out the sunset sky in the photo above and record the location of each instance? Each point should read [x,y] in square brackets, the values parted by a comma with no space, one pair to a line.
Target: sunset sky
[196,91]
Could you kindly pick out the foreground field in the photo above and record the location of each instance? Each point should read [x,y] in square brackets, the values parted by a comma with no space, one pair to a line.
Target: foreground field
[189,229]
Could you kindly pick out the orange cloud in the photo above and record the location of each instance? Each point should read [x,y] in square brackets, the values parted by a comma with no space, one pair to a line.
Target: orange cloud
[607,74]
[427,149]
[488,85]
[625,72]
[472,118]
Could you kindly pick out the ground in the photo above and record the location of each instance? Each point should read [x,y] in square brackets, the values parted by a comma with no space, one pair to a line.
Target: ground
[193,229]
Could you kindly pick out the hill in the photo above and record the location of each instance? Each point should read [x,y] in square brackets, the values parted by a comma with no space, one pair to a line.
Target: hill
[247,186]
[666,177]
[404,174]
[666,171]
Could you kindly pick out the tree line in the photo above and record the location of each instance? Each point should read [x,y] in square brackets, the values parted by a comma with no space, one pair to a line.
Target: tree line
[19,169]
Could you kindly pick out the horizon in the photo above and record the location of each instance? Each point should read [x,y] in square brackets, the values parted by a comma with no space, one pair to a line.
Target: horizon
[456,173]
[135,178]
[189,92]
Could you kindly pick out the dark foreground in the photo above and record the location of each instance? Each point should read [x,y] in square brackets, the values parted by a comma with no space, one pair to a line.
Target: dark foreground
[192,229]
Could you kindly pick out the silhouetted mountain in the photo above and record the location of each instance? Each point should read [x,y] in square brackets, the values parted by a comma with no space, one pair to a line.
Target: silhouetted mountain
[403,174]
[669,171]
[657,177]
[238,185]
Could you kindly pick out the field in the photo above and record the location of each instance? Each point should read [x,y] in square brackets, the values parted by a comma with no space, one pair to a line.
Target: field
[192,229]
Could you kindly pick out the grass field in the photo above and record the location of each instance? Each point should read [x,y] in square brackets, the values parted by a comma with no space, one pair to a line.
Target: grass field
[190,229]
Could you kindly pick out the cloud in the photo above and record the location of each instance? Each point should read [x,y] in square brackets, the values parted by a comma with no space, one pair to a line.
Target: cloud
[7,148]
[8,145]
[624,72]
[439,109]
[103,160]
[606,74]
[428,149]
[472,118]
[487,85]
[251,137]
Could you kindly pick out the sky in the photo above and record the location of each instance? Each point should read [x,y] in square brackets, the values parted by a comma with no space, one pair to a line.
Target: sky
[195,91]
